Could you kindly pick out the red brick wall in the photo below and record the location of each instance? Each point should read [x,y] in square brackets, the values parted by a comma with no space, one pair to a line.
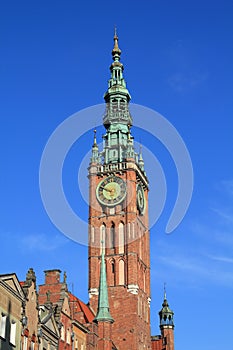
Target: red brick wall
[130,330]
[58,295]
[157,344]
[168,335]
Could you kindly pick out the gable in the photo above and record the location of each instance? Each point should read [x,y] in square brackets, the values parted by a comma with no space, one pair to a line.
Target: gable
[13,284]
[51,324]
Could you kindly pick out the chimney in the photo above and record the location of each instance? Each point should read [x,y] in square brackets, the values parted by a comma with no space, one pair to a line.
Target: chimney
[52,276]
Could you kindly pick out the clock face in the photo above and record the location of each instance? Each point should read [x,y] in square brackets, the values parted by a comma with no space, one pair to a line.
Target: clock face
[140,199]
[111,191]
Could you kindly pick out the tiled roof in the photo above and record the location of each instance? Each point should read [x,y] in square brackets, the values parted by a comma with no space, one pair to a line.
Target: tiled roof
[80,306]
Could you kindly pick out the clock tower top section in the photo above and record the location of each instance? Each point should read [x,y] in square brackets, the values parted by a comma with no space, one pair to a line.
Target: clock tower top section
[118,149]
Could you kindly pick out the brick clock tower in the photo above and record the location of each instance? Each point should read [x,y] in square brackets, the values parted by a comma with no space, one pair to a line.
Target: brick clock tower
[118,220]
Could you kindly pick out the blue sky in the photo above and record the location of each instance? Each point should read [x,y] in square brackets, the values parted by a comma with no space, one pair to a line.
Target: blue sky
[178,55]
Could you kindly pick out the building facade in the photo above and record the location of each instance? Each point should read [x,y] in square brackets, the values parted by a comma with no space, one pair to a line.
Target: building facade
[11,312]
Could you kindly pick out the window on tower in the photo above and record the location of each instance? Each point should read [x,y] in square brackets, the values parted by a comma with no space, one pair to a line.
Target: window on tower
[112,236]
[121,238]
[121,272]
[112,273]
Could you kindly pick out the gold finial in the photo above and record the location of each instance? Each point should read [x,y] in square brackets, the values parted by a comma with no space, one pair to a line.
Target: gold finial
[115,31]
[116,49]
[95,143]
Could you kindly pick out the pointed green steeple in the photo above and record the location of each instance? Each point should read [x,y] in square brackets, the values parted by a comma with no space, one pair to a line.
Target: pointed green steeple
[117,118]
[103,313]
[166,314]
[95,157]
[117,96]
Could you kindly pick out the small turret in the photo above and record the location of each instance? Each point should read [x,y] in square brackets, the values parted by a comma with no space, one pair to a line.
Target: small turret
[167,324]
[95,157]
[166,314]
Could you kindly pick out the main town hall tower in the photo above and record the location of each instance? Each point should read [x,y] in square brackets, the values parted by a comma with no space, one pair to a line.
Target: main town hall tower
[118,220]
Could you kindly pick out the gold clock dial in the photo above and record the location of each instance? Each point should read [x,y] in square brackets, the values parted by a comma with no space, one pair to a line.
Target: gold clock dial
[111,191]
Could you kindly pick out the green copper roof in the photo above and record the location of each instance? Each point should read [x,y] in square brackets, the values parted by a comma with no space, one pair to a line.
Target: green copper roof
[103,313]
[166,314]
[118,145]
[117,96]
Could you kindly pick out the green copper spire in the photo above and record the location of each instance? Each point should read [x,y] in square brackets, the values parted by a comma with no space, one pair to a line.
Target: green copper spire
[117,118]
[117,96]
[95,157]
[166,314]
[103,313]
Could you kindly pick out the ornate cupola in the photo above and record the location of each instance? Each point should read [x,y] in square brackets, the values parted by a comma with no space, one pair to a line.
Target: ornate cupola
[167,325]
[166,314]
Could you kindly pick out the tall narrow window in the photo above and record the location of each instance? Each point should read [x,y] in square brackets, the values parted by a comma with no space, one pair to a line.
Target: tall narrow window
[121,272]
[111,272]
[3,326]
[13,332]
[121,238]
[113,267]
[112,236]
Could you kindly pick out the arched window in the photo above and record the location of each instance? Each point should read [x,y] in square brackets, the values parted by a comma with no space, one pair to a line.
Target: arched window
[121,272]
[121,238]
[112,273]
[112,236]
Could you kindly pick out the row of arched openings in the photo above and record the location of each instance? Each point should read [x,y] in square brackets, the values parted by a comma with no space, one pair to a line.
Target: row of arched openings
[116,272]
[115,237]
